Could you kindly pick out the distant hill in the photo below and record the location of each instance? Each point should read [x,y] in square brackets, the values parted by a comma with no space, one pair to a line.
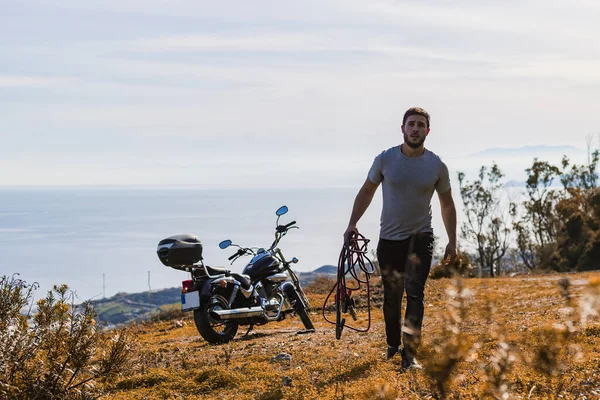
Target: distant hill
[326,269]
[513,161]
[308,277]
[124,308]
[515,183]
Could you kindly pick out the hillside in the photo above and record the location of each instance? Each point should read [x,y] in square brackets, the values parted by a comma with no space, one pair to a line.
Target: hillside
[124,308]
[519,337]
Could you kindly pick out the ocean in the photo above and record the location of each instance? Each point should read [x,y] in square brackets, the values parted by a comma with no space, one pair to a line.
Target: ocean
[102,240]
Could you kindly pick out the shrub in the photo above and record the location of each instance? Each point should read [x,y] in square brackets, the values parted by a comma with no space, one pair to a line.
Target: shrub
[56,352]
[452,345]
[168,315]
[149,379]
[462,266]
[321,285]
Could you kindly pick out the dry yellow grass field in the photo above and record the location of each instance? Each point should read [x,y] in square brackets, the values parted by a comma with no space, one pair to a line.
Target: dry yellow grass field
[520,337]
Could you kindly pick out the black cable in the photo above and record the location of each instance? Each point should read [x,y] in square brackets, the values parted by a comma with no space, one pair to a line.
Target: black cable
[352,255]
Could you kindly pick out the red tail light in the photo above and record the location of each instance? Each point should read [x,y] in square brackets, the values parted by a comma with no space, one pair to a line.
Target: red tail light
[187,286]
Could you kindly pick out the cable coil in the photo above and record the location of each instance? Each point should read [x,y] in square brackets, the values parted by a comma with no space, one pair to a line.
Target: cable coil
[350,263]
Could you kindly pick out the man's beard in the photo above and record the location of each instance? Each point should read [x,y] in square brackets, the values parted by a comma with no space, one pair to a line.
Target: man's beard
[414,145]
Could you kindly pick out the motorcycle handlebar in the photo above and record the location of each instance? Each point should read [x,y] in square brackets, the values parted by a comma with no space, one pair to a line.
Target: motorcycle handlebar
[284,228]
[238,253]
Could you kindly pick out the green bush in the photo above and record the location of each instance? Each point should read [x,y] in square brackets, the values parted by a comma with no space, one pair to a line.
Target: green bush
[56,352]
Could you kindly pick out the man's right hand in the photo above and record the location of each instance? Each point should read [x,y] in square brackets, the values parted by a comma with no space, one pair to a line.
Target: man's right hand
[350,230]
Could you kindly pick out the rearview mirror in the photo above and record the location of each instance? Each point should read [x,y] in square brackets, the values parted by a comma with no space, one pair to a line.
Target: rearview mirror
[225,244]
[281,210]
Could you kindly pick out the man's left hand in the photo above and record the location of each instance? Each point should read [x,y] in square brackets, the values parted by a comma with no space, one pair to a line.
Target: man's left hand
[449,255]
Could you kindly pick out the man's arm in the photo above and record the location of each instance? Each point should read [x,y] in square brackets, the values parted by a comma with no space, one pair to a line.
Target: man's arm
[361,203]
[449,218]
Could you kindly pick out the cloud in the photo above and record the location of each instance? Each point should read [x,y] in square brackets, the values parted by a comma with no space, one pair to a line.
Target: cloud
[280,42]
[23,81]
[204,78]
[577,71]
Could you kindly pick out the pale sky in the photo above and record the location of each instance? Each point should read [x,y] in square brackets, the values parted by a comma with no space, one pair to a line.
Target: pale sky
[222,93]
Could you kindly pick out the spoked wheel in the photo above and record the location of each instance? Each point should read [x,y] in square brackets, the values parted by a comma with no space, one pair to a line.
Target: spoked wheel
[212,330]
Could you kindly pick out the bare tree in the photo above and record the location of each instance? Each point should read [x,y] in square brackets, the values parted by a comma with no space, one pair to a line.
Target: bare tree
[485,226]
[539,207]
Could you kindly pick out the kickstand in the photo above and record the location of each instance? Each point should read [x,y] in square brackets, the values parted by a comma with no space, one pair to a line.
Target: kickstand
[249,330]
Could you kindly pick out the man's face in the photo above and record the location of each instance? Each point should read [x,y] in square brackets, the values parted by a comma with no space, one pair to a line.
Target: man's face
[415,130]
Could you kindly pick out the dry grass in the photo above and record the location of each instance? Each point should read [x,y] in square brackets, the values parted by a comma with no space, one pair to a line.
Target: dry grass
[522,337]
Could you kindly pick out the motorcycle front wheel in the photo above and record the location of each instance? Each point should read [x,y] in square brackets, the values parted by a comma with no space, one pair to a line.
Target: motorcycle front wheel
[212,330]
[298,305]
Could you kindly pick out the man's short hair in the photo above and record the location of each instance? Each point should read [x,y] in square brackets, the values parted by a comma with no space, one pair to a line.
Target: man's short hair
[416,111]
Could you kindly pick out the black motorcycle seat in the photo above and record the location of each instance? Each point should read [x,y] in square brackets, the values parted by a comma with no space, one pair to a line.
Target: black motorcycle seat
[216,270]
[243,279]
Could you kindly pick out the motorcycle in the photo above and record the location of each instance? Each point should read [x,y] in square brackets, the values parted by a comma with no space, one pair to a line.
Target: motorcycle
[267,289]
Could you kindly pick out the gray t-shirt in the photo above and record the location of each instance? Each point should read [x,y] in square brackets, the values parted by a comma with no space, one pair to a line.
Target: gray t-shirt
[408,185]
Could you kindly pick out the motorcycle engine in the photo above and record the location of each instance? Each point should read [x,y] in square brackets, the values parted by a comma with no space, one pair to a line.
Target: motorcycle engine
[272,304]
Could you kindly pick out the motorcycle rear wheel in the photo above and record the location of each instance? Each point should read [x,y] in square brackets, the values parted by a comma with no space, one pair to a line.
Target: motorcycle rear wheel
[214,331]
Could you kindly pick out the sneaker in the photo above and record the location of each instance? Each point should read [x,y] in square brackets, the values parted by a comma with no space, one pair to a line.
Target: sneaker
[391,351]
[409,361]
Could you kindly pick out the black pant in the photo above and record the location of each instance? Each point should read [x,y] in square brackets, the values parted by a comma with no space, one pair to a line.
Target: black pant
[404,265]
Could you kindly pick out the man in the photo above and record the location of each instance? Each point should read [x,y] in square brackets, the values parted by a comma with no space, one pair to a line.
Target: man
[409,174]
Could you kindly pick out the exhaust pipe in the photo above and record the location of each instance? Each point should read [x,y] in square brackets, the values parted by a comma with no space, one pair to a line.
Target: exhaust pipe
[237,313]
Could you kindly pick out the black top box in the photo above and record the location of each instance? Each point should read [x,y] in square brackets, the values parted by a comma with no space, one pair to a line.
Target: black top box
[180,250]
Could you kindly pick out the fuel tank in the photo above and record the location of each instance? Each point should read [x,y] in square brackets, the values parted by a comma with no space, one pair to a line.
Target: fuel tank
[262,265]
